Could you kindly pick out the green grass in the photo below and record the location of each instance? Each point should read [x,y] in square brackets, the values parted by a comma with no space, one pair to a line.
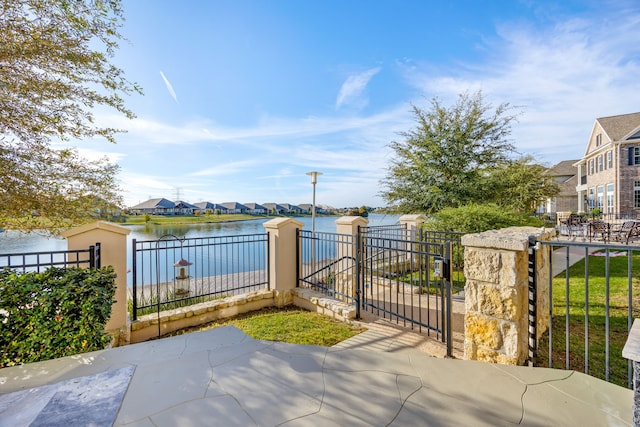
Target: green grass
[289,324]
[618,312]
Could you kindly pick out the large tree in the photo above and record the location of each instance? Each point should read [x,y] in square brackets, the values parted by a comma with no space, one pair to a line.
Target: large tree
[54,70]
[520,184]
[445,159]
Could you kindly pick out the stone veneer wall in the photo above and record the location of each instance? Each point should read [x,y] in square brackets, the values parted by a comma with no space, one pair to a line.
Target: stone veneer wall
[496,293]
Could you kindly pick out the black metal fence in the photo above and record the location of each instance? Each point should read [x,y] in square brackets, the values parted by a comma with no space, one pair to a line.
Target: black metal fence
[388,271]
[173,272]
[593,298]
[326,262]
[39,261]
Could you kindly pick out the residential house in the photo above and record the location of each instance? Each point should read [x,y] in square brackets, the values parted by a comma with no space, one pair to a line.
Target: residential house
[234,208]
[565,175]
[308,207]
[210,208]
[274,209]
[291,209]
[154,207]
[609,172]
[185,208]
[256,209]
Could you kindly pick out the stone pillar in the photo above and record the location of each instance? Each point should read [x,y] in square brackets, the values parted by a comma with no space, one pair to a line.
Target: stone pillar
[282,258]
[347,252]
[496,293]
[413,222]
[631,351]
[113,252]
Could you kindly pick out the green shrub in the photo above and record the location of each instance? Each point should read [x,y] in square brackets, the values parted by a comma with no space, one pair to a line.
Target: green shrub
[56,313]
[476,218]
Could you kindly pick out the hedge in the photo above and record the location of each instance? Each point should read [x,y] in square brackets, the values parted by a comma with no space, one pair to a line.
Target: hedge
[56,313]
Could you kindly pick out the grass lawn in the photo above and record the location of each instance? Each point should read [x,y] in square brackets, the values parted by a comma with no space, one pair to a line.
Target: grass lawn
[290,324]
[576,289]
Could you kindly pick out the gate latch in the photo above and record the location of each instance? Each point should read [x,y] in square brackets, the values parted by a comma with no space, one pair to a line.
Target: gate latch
[440,268]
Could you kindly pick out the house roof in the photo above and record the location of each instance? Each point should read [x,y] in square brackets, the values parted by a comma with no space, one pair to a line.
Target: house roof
[182,204]
[564,168]
[274,206]
[254,206]
[155,203]
[234,205]
[617,127]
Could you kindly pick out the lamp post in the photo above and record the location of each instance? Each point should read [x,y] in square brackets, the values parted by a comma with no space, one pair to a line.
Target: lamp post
[314,179]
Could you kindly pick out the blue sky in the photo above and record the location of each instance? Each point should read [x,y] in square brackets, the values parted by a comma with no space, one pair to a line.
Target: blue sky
[243,97]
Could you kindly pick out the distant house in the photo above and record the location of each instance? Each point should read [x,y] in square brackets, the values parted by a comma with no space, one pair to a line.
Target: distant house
[154,207]
[609,172]
[275,209]
[234,208]
[291,209]
[210,208]
[307,207]
[565,175]
[185,208]
[256,209]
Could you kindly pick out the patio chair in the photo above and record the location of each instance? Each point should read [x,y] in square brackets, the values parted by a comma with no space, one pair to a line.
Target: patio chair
[573,226]
[626,231]
[599,228]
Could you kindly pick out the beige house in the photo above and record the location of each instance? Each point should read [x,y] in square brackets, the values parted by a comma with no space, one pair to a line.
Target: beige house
[565,176]
[609,172]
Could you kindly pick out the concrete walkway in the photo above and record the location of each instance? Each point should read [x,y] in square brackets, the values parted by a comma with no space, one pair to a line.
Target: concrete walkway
[223,377]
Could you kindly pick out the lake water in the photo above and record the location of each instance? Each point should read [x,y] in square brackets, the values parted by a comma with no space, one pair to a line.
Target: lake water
[16,242]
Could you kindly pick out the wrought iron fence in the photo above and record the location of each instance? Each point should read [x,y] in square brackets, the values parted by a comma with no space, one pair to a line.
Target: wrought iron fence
[39,261]
[593,298]
[327,263]
[174,272]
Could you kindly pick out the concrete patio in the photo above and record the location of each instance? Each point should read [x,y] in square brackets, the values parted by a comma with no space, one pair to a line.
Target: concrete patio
[223,377]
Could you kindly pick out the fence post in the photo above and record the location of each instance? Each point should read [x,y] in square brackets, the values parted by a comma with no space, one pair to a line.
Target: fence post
[412,225]
[496,266]
[113,251]
[282,258]
[631,351]
[347,277]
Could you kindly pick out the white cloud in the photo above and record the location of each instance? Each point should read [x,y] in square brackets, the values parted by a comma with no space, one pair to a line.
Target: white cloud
[563,76]
[352,89]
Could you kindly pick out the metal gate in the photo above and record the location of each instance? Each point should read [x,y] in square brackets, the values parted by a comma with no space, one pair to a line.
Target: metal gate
[406,280]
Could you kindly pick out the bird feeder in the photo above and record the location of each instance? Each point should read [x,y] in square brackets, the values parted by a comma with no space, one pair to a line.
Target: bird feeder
[182,276]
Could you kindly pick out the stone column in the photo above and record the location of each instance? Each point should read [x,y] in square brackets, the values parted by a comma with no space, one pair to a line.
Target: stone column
[282,258]
[113,252]
[413,222]
[631,351]
[496,293]
[347,252]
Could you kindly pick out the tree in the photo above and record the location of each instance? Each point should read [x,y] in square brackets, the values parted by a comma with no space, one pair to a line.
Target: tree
[54,70]
[520,185]
[441,162]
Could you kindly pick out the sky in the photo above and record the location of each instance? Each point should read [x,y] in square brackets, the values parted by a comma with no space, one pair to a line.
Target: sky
[243,97]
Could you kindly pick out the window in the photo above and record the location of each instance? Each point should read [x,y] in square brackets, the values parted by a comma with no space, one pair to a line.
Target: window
[598,140]
[636,194]
[591,166]
[600,163]
[600,197]
[634,156]
[610,159]
[592,198]
[610,199]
